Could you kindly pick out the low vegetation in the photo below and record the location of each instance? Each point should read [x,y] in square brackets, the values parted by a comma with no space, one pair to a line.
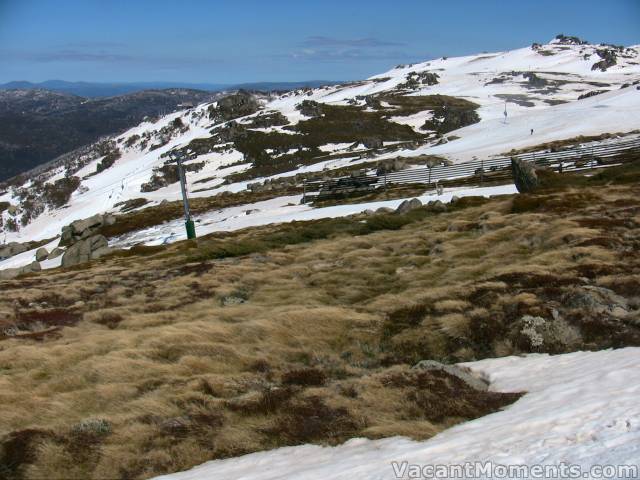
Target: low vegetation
[165,357]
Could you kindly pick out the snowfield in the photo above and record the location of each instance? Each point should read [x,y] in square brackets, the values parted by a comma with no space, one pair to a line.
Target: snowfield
[580,409]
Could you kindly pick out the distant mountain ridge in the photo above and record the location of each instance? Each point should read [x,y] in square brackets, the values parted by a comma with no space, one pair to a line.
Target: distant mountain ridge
[38,125]
[95,89]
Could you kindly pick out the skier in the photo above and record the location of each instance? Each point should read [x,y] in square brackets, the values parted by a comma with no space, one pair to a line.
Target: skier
[532,131]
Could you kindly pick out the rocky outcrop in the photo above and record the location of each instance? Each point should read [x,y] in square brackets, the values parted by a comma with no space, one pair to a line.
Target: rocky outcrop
[233,106]
[82,229]
[10,273]
[524,175]
[471,380]
[84,250]
[609,59]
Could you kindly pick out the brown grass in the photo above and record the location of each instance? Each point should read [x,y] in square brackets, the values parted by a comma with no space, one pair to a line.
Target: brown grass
[333,313]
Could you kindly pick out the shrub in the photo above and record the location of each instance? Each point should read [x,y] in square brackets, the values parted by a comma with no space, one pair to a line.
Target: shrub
[304,376]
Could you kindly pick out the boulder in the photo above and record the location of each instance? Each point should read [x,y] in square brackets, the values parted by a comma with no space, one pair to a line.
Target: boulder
[10,273]
[524,175]
[372,142]
[385,210]
[436,206]
[55,253]
[455,199]
[85,228]
[471,380]
[41,254]
[11,249]
[408,205]
[85,250]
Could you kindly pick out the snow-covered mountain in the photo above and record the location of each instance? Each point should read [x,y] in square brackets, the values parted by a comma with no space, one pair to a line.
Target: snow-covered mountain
[450,107]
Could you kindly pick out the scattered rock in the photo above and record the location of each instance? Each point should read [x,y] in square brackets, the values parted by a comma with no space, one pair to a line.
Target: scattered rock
[408,205]
[369,212]
[524,175]
[455,199]
[471,380]
[41,254]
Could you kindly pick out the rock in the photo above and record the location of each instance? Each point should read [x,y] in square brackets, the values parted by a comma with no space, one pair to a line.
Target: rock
[372,142]
[10,273]
[385,210]
[455,199]
[85,228]
[233,106]
[41,254]
[232,300]
[471,380]
[369,212]
[524,175]
[408,205]
[12,210]
[85,250]
[55,253]
[538,334]
[11,249]
[597,300]
[436,206]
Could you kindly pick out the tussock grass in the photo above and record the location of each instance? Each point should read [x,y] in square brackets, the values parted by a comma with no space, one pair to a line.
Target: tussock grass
[156,365]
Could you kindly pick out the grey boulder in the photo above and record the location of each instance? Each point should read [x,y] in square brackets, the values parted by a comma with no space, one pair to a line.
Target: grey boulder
[85,250]
[408,205]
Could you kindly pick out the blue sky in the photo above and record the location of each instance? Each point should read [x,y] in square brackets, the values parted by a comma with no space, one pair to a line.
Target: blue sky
[246,40]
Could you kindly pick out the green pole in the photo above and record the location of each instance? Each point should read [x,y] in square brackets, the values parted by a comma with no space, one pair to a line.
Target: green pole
[188,222]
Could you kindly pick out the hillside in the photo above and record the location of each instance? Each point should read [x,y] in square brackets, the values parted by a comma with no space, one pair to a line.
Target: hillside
[327,336]
[156,359]
[39,125]
[449,110]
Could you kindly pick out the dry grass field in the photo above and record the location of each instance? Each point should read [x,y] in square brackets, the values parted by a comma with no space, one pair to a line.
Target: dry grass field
[161,358]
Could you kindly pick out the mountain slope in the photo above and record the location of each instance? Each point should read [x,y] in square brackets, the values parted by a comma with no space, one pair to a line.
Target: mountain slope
[39,125]
[449,108]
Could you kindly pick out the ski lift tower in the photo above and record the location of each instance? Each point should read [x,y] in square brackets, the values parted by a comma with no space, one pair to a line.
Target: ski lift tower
[188,222]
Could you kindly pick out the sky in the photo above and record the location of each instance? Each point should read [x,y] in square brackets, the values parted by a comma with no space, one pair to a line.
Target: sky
[227,42]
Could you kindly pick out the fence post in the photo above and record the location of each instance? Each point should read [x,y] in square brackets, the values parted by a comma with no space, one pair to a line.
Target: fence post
[304,190]
[385,180]
[429,182]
